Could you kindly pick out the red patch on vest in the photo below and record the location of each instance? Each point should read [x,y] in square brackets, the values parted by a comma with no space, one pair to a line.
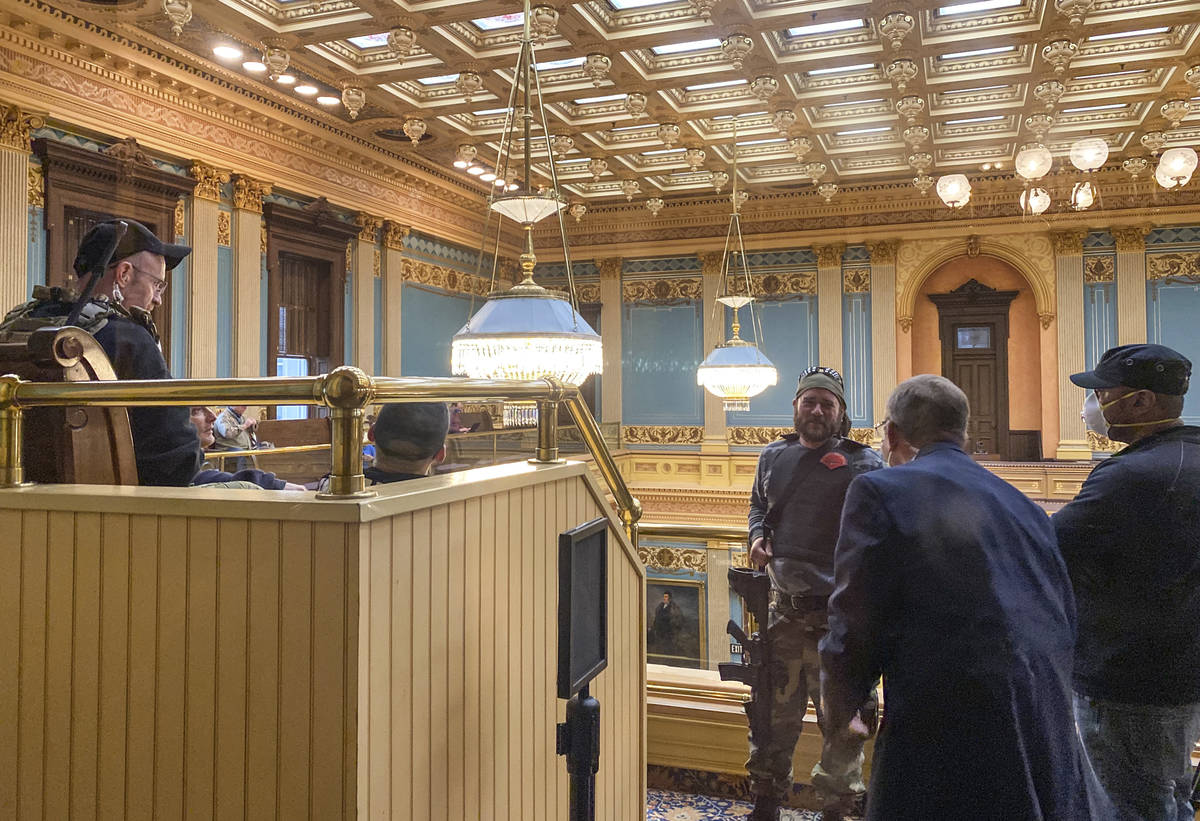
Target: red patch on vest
[833,460]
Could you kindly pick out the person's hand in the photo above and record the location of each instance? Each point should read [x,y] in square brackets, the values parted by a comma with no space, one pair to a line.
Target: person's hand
[250,423]
[760,552]
[291,486]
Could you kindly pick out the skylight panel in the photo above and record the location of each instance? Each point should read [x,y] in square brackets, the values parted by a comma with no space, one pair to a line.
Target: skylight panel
[621,5]
[663,151]
[990,119]
[366,41]
[763,141]
[853,102]
[574,161]
[978,6]
[1095,38]
[722,84]
[1107,107]
[826,28]
[679,48]
[975,90]
[875,130]
[745,116]
[607,98]
[569,62]
[816,72]
[641,127]
[979,52]
[1111,74]
[438,81]
[500,21]
[488,112]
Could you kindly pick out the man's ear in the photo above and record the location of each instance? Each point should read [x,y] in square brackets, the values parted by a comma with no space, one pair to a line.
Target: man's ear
[440,456]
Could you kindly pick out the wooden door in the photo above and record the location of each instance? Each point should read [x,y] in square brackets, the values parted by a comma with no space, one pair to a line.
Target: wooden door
[973,325]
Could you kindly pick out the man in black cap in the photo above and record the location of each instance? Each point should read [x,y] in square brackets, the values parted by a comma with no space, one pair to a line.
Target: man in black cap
[410,440]
[795,508]
[1131,541]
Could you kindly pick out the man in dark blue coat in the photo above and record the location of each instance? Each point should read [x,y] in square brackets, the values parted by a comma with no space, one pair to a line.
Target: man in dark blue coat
[948,582]
[1131,540]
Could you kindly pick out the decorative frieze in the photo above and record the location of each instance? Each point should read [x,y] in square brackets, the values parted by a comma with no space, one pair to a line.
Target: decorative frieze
[224,228]
[864,436]
[1099,269]
[37,187]
[368,226]
[1185,266]
[755,435]
[856,280]
[1102,444]
[208,182]
[394,234]
[662,434]
[180,223]
[248,193]
[377,264]
[674,558]
[588,292]
[16,126]
[662,290]
[446,279]
[777,286]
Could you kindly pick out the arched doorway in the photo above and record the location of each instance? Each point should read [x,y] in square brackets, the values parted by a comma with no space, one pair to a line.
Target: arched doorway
[1019,388]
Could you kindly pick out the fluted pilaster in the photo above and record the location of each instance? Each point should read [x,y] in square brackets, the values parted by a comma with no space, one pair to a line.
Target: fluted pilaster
[15,127]
[714,334]
[1068,271]
[1131,284]
[611,313]
[202,272]
[829,303]
[365,271]
[247,274]
[393,292]
[883,324]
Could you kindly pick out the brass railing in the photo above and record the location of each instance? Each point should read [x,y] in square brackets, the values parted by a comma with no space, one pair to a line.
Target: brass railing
[676,530]
[346,392]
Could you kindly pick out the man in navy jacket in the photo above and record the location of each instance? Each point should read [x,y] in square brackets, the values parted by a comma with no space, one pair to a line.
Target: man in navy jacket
[948,582]
[1131,540]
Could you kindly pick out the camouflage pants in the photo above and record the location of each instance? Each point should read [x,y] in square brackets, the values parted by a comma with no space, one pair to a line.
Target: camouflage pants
[837,777]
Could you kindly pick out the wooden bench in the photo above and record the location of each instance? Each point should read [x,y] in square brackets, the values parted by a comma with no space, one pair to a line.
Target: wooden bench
[71,445]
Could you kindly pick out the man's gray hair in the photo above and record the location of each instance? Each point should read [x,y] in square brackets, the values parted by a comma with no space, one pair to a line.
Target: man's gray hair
[929,408]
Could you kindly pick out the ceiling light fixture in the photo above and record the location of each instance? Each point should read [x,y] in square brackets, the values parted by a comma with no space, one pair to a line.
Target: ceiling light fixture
[306,90]
[464,155]
[276,57]
[400,42]
[286,79]
[736,47]
[1176,167]
[179,13]
[954,190]
[326,99]
[526,332]
[896,26]
[1033,162]
[635,104]
[227,52]
[1035,201]
[254,67]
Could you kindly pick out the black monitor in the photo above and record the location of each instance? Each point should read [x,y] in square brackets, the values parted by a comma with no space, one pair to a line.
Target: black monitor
[582,605]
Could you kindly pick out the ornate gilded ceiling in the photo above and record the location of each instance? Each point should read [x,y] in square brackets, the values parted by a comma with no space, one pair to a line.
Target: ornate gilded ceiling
[848,93]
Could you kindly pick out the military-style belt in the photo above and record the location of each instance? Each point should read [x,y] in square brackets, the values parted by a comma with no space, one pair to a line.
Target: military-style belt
[803,604]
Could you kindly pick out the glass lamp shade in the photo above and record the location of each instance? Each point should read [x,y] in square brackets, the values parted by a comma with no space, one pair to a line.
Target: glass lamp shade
[1035,200]
[1178,164]
[526,209]
[1163,177]
[1082,196]
[735,372]
[1089,153]
[526,332]
[954,190]
[1033,162]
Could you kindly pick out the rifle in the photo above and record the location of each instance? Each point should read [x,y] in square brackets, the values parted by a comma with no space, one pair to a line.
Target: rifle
[754,587]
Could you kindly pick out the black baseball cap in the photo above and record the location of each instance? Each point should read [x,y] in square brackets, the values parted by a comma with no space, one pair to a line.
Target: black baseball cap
[137,238]
[1145,367]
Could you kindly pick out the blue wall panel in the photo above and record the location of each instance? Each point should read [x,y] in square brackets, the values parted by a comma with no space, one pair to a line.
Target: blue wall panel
[790,341]
[661,347]
[179,319]
[264,315]
[35,271]
[348,321]
[1099,320]
[429,320]
[856,358]
[224,312]
[377,314]
[1172,309]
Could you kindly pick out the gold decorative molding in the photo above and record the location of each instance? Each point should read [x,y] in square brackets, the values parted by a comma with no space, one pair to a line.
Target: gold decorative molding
[1046,319]
[662,434]
[394,234]
[973,246]
[905,323]
[1067,242]
[1174,266]
[208,182]
[588,292]
[16,126]
[883,252]
[224,228]
[262,238]
[128,152]
[248,193]
[711,263]
[739,558]
[755,435]
[1130,238]
[864,436]
[37,187]
[1099,269]
[508,270]
[180,222]
[776,286]
[377,264]
[610,267]
[856,280]
[349,256]
[368,226]
[830,256]
[446,279]
[1103,443]
[662,290]
[674,558]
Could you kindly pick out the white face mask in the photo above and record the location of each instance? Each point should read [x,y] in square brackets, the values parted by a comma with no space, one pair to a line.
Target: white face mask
[1093,415]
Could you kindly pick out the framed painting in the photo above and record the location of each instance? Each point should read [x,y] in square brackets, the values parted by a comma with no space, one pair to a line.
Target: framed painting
[676,612]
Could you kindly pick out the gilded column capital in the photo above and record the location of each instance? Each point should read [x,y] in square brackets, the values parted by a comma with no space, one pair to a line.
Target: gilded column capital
[1130,238]
[248,193]
[883,252]
[830,256]
[37,187]
[16,126]
[1067,242]
[394,234]
[208,181]
[711,263]
[368,226]
[610,267]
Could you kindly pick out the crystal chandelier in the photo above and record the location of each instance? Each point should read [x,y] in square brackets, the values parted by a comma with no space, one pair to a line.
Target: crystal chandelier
[737,369]
[526,332]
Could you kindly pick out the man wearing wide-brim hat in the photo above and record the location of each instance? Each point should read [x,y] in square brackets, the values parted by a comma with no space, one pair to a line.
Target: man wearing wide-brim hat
[1131,540]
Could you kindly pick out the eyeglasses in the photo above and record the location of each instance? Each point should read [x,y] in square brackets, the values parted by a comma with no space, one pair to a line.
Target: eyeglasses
[879,426]
[830,372]
[160,283]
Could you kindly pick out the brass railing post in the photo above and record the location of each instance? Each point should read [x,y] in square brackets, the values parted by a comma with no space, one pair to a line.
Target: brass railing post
[547,441]
[346,391]
[12,469]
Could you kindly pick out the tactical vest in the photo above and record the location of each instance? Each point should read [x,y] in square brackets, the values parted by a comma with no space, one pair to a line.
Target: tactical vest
[808,525]
[50,308]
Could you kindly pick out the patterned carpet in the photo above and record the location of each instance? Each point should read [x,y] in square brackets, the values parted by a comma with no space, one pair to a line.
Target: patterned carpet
[665,805]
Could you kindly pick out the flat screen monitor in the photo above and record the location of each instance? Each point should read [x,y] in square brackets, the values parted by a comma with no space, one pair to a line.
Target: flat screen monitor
[582,605]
